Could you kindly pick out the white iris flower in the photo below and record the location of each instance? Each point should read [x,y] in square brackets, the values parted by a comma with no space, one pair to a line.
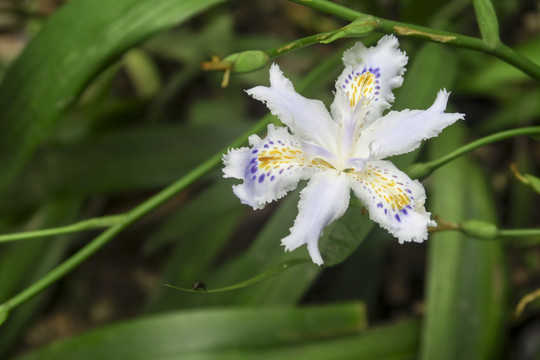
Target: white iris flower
[341,151]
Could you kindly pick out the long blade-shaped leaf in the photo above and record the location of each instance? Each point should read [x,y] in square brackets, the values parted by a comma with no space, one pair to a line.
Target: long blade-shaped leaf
[465,295]
[178,335]
[74,45]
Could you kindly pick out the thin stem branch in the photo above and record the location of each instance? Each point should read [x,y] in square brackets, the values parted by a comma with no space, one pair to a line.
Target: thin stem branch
[95,223]
[422,170]
[499,50]
[518,232]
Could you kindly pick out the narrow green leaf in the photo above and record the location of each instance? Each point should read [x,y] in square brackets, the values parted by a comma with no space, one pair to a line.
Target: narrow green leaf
[487,21]
[465,299]
[361,26]
[142,157]
[26,262]
[533,181]
[181,335]
[76,43]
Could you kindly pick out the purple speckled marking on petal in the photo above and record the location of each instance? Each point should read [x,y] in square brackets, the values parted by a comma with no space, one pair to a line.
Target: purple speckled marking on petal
[272,178]
[266,146]
[376,93]
[253,161]
[281,171]
[380,205]
[377,75]
[261,178]
[346,81]
[397,218]
[409,191]
[377,87]
[350,77]
[404,211]
[271,142]
[255,151]
[254,177]
[253,169]
[385,211]
[409,207]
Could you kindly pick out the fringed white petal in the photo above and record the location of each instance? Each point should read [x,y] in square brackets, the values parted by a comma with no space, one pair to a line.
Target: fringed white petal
[394,201]
[364,88]
[322,201]
[401,132]
[308,119]
[272,167]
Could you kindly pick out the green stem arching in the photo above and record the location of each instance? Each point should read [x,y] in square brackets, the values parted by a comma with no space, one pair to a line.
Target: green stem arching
[422,170]
[499,50]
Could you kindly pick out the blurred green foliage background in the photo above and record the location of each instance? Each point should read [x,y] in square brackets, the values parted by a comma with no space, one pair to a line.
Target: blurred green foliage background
[103,103]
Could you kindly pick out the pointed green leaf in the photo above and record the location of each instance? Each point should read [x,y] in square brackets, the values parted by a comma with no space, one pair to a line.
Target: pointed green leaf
[76,43]
[487,21]
[193,334]
[533,181]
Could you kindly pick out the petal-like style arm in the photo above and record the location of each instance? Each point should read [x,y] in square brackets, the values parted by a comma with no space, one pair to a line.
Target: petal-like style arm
[308,119]
[394,200]
[401,132]
[322,201]
[272,167]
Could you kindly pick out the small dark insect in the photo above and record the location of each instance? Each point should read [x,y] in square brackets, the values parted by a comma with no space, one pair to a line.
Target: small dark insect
[198,285]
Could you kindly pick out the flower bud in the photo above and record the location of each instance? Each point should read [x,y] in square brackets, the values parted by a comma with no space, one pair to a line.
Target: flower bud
[247,61]
[479,229]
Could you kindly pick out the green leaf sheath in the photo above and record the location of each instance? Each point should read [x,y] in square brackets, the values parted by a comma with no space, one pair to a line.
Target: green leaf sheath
[64,56]
[487,21]
[501,51]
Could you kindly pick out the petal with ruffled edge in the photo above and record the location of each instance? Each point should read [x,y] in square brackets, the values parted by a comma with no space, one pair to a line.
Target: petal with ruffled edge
[322,201]
[308,119]
[364,88]
[394,201]
[400,132]
[272,167]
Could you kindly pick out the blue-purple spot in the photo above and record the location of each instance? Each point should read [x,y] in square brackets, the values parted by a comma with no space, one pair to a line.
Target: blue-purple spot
[281,171]
[377,75]
[255,151]
[409,191]
[261,178]
[350,78]
[253,161]
[380,205]
[397,218]
[377,87]
[266,146]
[272,178]
[271,142]
[376,93]
[343,86]
[346,81]
[385,211]
[404,211]
[253,169]
[254,177]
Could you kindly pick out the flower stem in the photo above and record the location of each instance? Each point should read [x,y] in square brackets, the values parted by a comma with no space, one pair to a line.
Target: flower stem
[422,170]
[499,50]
